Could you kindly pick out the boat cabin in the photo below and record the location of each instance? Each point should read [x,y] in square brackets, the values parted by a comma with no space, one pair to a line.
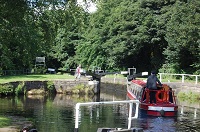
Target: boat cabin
[163,94]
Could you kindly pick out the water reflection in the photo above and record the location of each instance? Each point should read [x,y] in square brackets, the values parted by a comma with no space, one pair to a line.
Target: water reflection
[158,124]
[56,113]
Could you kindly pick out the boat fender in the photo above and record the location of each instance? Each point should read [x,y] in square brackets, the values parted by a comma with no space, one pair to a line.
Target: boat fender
[162,98]
[157,96]
[162,112]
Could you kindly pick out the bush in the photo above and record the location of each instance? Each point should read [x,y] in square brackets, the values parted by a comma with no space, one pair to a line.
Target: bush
[39,70]
[20,89]
[50,86]
[189,96]
[81,89]
[6,89]
[4,121]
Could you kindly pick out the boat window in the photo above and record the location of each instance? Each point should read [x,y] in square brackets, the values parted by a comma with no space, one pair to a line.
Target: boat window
[141,94]
[170,96]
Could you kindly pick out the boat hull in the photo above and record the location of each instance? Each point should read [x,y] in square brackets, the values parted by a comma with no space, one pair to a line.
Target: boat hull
[159,110]
[165,99]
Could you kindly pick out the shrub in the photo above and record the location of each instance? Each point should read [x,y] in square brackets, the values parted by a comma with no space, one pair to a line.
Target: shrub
[6,89]
[189,96]
[82,89]
[39,70]
[50,86]
[4,121]
[20,89]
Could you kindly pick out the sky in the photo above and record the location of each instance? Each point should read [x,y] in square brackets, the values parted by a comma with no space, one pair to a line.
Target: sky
[90,6]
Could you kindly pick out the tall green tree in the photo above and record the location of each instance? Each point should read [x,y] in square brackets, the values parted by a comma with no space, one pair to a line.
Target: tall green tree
[182,53]
[39,28]
[120,34]
[65,32]
[18,35]
[125,33]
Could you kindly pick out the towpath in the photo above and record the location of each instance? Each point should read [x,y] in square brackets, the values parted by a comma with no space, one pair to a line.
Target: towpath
[177,86]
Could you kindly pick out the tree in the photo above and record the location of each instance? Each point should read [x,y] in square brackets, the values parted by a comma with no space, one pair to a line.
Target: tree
[38,28]
[18,35]
[125,33]
[183,36]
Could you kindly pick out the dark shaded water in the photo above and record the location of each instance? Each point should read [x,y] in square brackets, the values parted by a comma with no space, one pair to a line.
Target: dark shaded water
[57,114]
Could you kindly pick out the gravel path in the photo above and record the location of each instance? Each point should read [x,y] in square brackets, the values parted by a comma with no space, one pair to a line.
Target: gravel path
[17,123]
[9,129]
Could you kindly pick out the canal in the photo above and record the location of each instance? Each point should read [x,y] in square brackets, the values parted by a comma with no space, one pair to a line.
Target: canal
[56,113]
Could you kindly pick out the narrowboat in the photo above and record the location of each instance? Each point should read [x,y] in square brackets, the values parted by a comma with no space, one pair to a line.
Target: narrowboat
[165,99]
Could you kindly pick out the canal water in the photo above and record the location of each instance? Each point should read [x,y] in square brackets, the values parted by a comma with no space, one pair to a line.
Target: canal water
[56,113]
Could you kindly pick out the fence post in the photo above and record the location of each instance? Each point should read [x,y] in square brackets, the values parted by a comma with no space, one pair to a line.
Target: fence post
[183,78]
[115,76]
[160,76]
[76,117]
[195,113]
[130,115]
[196,79]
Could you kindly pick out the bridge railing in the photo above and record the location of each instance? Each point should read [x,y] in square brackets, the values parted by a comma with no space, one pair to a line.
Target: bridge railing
[130,102]
[183,76]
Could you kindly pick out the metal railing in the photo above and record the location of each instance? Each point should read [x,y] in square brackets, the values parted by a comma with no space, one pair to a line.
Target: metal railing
[182,76]
[195,110]
[106,103]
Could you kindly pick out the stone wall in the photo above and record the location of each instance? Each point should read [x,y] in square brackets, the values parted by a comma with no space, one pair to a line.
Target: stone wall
[68,86]
[61,86]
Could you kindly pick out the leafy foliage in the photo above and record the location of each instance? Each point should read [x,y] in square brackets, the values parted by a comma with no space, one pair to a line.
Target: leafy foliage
[19,35]
[6,89]
[183,37]
[20,89]
[4,121]
[121,34]
[50,86]
[146,34]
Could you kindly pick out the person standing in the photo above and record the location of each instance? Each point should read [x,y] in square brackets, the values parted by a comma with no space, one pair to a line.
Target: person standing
[152,85]
[78,72]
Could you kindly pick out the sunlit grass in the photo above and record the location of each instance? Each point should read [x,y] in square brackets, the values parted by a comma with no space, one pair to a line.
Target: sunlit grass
[45,77]
[38,77]
[115,76]
[189,96]
[145,78]
[4,121]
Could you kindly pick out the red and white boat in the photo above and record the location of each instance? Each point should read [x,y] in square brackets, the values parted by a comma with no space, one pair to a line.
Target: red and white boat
[165,99]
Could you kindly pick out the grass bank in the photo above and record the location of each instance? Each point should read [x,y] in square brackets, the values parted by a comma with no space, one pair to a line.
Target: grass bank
[4,121]
[38,77]
[189,96]
[47,77]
